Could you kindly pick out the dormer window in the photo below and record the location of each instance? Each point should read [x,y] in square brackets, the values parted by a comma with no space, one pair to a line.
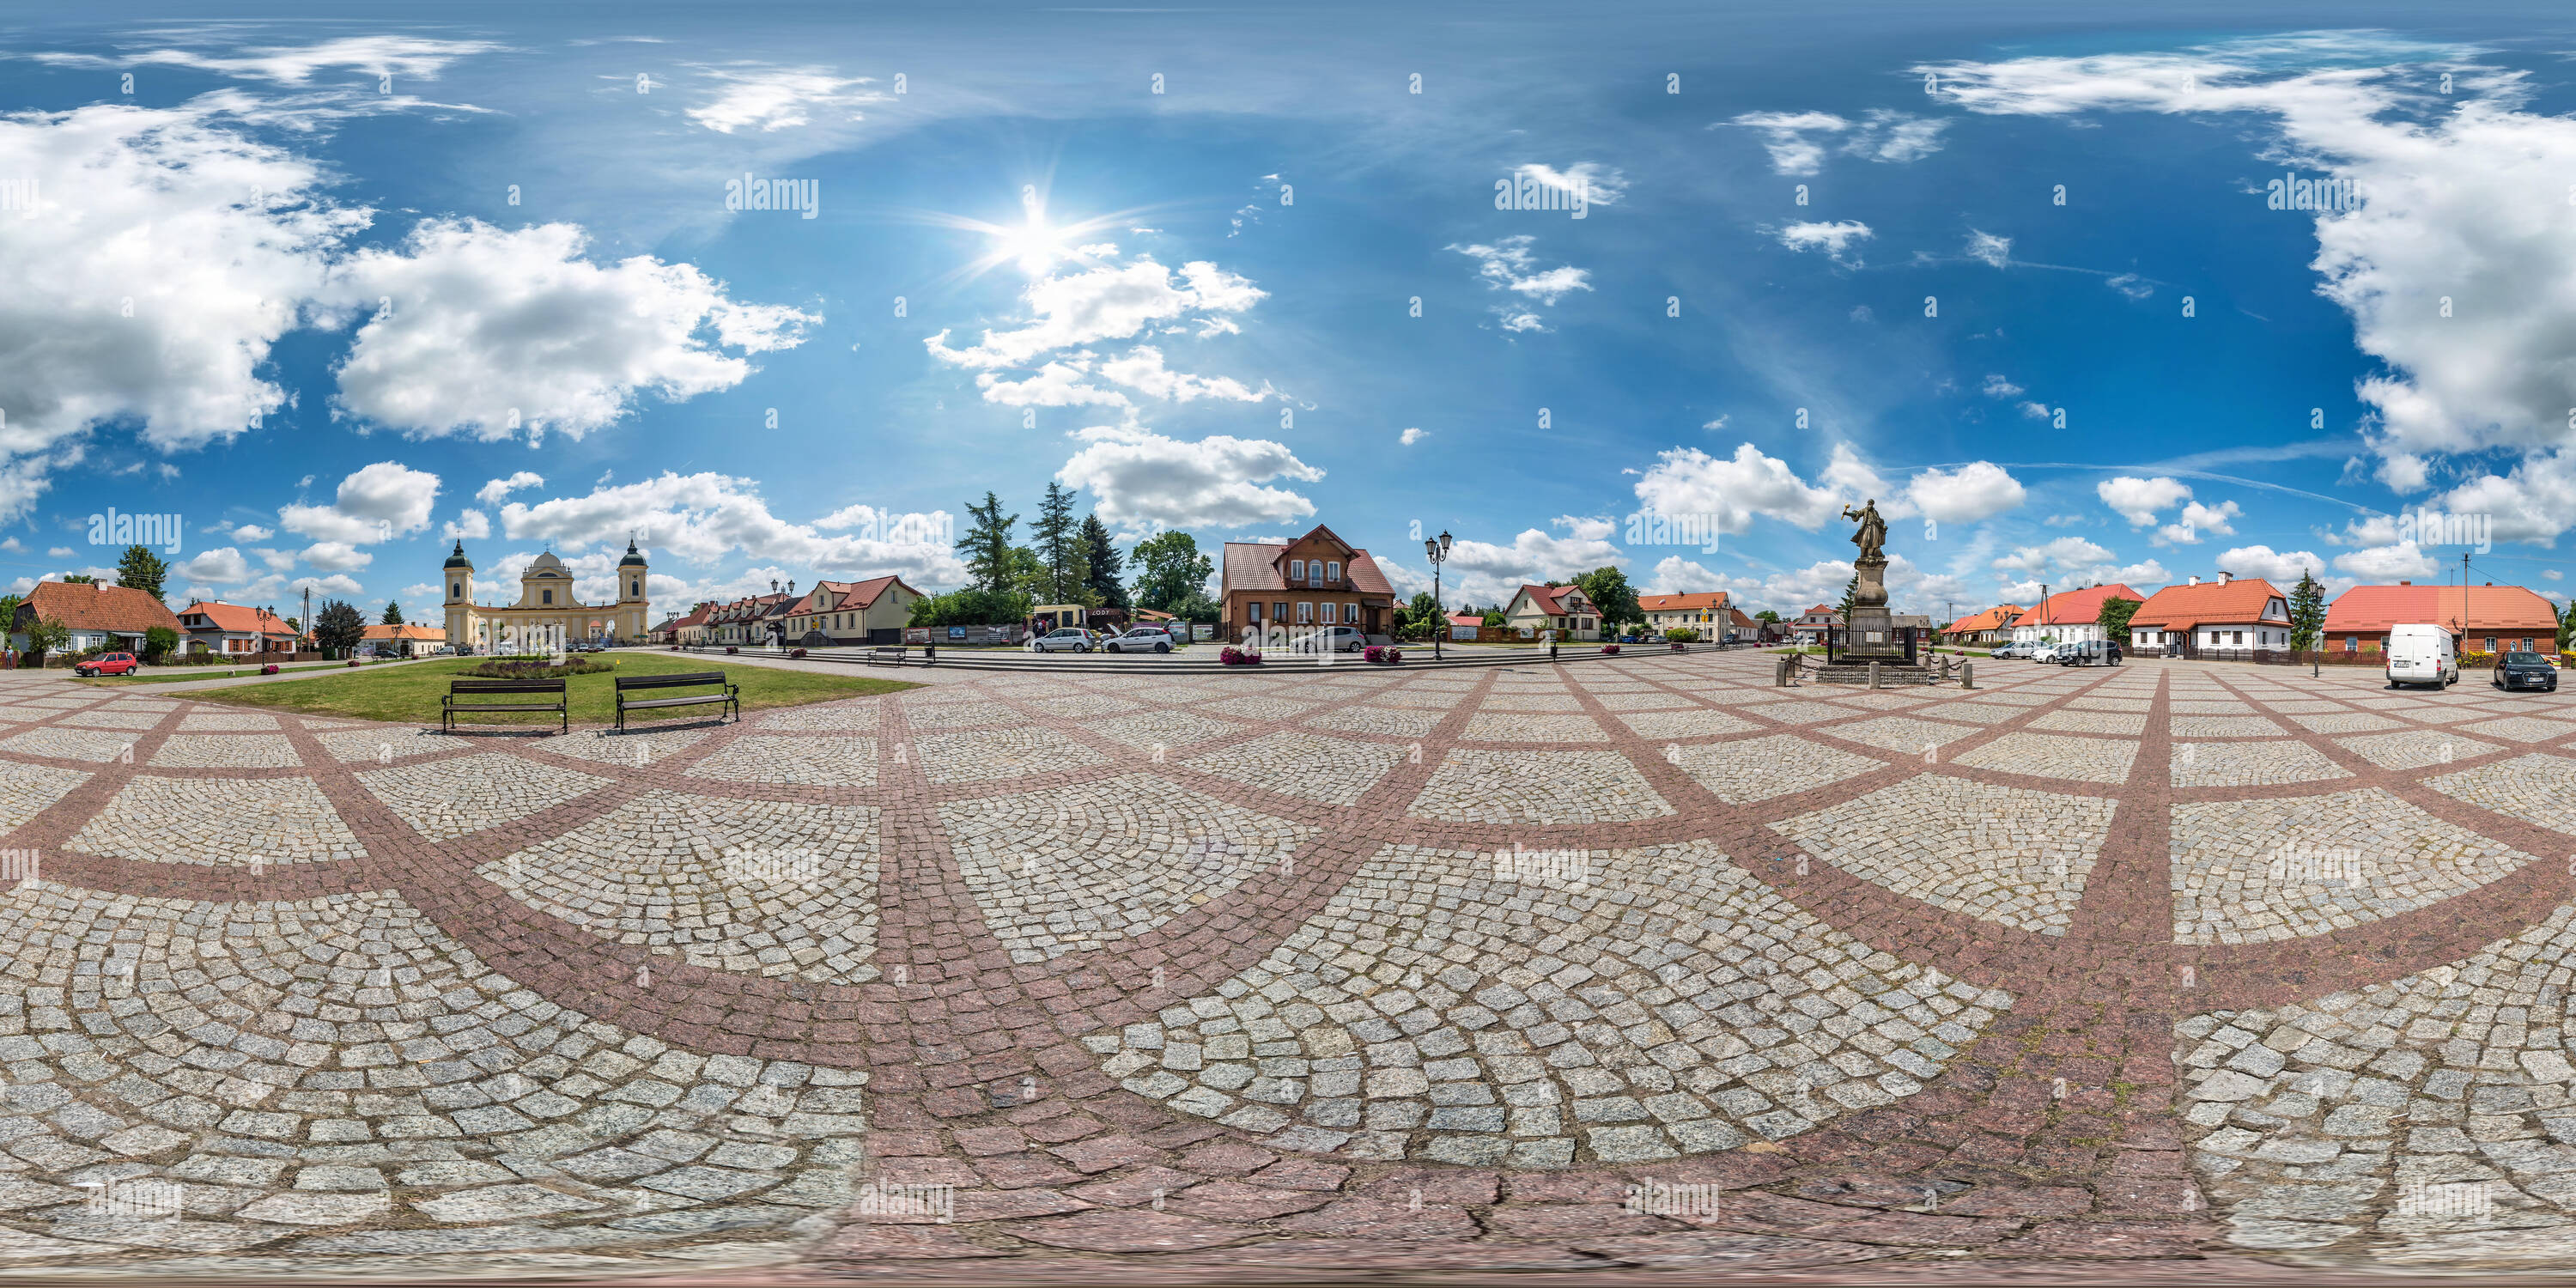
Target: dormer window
[1333,571]
[1296,570]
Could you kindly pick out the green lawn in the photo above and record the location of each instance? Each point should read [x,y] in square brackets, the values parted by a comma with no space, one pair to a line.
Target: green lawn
[411,694]
[182,674]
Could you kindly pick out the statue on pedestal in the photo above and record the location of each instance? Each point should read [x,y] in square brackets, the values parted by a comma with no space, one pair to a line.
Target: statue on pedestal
[1872,537]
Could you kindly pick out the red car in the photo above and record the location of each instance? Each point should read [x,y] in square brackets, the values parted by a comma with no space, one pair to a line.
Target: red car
[107,664]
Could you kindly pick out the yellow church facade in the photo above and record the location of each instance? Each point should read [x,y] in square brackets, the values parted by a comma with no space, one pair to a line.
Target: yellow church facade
[548,615]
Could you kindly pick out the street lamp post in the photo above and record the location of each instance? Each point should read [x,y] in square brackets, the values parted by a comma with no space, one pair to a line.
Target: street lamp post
[1436,549]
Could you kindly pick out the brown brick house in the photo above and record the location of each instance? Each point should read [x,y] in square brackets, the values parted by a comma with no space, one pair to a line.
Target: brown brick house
[1316,580]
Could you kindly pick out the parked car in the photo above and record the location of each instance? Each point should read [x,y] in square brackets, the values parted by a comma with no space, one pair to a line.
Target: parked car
[2044,652]
[1338,639]
[1140,639]
[2524,671]
[1069,639]
[2013,649]
[107,664]
[2088,653]
[2421,653]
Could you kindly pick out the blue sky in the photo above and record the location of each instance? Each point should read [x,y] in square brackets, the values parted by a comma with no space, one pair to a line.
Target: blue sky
[339,291]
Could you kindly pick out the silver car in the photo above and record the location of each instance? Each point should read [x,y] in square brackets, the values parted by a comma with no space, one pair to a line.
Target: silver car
[1141,639]
[1070,639]
[1336,639]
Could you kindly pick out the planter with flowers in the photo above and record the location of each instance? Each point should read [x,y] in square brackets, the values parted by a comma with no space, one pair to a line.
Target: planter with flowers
[1382,654]
[1609,650]
[1232,656]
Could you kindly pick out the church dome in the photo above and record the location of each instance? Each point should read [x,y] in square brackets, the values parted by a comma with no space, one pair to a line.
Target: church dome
[458,559]
[633,559]
[545,565]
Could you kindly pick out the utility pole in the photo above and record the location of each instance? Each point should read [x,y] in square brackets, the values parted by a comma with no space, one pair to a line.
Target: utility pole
[305,623]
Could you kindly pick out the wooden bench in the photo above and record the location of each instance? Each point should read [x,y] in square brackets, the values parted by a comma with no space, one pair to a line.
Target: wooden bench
[474,688]
[726,694]
[896,654]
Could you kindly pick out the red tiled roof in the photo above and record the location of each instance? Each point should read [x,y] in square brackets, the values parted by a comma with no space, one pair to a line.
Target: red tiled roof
[2075,607]
[1256,565]
[2180,608]
[1993,619]
[1547,598]
[100,607]
[2479,610]
[407,631]
[1712,600]
[237,619]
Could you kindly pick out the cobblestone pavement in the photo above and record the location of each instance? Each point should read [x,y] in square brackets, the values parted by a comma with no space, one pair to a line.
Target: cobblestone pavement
[1623,967]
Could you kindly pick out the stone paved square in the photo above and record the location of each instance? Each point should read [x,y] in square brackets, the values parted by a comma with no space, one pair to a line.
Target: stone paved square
[2248,871]
[2001,854]
[2039,755]
[807,760]
[1475,786]
[447,799]
[238,822]
[1336,771]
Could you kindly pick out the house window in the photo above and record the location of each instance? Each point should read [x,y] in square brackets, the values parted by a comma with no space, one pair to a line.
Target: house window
[2491,643]
[1253,611]
[1328,612]
[1305,612]
[1296,570]
[1333,571]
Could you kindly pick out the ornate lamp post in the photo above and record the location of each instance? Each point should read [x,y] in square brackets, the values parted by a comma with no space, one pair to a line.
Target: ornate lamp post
[1436,549]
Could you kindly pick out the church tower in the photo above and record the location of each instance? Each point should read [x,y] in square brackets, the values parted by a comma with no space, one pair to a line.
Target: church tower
[632,577]
[460,598]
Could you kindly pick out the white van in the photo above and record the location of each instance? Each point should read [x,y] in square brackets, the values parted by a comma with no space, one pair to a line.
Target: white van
[2422,654]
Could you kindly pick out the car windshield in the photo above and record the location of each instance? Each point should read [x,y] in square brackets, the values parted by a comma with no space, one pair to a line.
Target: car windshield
[2526,659]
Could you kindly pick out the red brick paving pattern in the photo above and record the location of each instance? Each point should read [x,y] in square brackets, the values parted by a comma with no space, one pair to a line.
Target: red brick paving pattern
[2052,1137]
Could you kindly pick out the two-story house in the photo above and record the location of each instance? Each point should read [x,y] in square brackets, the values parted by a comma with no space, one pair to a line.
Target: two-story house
[1561,609]
[1316,580]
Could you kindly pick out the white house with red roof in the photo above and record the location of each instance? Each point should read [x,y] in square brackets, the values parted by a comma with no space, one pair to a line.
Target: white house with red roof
[1710,612]
[851,612]
[1563,609]
[2069,616]
[2229,617]
[212,626]
[1813,625]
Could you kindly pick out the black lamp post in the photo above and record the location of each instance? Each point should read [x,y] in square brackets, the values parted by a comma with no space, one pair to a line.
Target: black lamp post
[1436,549]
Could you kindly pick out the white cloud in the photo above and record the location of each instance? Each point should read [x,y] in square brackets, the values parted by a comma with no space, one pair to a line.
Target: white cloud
[1830,237]
[1732,490]
[2130,285]
[1507,265]
[492,493]
[1106,303]
[1971,492]
[705,518]
[336,584]
[222,565]
[149,283]
[377,503]
[2217,520]
[399,56]
[1412,436]
[2534,501]
[1675,575]
[1998,387]
[1881,135]
[2137,500]
[2398,561]
[492,331]
[2059,556]
[2282,568]
[1482,570]
[2445,214]
[765,97]
[1719,423]
[1143,370]
[468,525]
[1141,481]
[1989,249]
[1602,186]
[336,556]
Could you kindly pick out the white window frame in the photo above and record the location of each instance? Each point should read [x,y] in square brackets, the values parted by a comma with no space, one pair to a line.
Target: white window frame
[1296,570]
[1305,612]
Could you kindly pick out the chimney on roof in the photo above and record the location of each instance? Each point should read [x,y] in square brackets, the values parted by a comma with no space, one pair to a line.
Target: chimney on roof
[2195,579]
[2405,583]
[2223,575]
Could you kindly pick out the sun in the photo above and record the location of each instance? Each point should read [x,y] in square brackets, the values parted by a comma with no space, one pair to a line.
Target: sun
[1036,244]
